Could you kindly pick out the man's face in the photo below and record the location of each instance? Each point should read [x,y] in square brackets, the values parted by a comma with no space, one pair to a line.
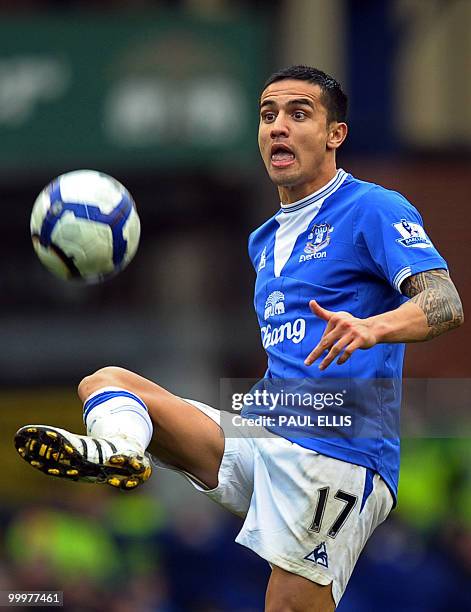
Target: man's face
[293,137]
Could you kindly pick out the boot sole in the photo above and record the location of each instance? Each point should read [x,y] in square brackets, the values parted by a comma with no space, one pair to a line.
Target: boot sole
[52,453]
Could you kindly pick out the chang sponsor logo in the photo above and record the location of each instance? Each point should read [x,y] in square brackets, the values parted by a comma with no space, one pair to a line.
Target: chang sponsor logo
[291,330]
[294,331]
[274,305]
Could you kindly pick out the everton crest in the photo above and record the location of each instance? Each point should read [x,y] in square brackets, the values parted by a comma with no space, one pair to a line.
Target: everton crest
[318,238]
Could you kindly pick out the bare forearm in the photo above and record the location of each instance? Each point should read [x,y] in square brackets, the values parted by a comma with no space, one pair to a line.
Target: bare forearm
[407,323]
[434,307]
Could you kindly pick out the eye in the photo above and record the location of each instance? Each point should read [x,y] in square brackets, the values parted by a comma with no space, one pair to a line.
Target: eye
[299,115]
[268,117]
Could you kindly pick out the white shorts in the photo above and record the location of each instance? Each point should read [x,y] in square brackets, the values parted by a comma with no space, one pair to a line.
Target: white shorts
[304,512]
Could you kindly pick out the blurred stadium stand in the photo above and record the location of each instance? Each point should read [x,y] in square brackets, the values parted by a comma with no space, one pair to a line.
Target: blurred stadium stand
[122,86]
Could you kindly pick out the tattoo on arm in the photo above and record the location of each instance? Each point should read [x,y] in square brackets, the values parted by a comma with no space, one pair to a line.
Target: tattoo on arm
[437,296]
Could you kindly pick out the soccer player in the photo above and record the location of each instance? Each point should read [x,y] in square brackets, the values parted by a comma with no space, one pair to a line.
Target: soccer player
[345,276]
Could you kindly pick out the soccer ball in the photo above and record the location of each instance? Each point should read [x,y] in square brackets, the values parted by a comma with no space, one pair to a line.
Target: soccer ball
[85,226]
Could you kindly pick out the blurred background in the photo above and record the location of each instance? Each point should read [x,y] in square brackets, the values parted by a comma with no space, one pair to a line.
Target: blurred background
[163,95]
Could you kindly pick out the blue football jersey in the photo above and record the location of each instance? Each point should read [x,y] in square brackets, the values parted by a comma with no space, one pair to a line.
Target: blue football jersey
[349,246]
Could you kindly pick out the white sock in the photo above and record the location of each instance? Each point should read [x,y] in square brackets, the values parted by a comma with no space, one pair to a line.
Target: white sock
[112,411]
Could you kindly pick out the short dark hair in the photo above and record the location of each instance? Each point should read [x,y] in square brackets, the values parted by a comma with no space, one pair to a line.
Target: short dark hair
[333,98]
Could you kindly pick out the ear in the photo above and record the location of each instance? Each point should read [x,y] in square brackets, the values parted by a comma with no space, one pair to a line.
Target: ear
[337,134]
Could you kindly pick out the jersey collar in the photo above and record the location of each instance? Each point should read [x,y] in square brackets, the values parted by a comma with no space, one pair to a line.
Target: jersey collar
[320,194]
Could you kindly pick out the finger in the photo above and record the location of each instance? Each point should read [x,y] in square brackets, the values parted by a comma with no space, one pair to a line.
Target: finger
[351,348]
[336,349]
[326,342]
[320,312]
[313,355]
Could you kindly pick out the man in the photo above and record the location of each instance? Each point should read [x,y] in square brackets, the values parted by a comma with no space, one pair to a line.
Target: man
[334,266]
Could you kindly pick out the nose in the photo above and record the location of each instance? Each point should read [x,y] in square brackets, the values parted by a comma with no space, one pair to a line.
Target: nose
[279,127]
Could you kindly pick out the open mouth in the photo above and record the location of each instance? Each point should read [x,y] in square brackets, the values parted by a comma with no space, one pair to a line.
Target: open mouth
[281,155]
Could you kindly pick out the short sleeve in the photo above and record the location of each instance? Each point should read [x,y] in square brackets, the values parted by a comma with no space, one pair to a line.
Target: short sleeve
[390,239]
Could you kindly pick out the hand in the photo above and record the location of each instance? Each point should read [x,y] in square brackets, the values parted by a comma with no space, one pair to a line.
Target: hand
[343,332]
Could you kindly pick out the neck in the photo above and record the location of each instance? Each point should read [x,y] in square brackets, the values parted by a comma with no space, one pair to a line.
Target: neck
[292,193]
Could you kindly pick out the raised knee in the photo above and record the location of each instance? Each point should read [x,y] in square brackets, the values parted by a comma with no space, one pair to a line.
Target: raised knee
[109,376]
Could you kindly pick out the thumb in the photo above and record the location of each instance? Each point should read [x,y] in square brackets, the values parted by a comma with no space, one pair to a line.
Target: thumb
[320,312]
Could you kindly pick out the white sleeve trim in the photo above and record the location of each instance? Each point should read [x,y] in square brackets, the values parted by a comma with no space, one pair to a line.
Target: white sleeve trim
[401,277]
